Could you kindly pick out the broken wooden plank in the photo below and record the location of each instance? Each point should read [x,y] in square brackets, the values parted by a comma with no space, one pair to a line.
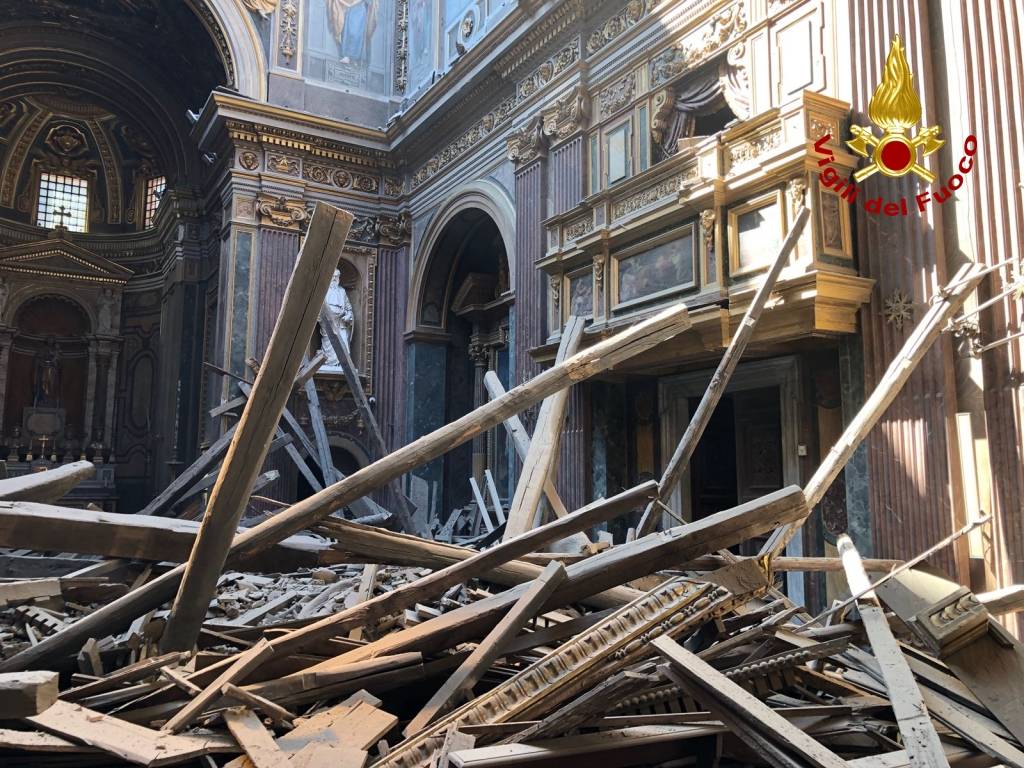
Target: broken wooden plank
[279,715]
[919,737]
[541,457]
[617,565]
[251,736]
[641,745]
[244,663]
[731,702]
[521,443]
[26,693]
[126,740]
[367,583]
[138,537]
[196,471]
[138,671]
[308,370]
[46,487]
[481,505]
[999,602]
[492,491]
[304,296]
[435,583]
[591,361]
[680,458]
[489,649]
[581,709]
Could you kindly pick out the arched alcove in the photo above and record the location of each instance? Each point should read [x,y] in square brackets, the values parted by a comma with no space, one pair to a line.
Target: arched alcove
[459,319]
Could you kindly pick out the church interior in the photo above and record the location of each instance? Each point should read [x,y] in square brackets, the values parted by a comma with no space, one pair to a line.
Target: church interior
[503,382]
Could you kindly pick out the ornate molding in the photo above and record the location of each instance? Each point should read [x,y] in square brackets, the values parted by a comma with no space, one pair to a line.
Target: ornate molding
[627,18]
[566,115]
[401,80]
[617,95]
[707,228]
[611,645]
[283,164]
[394,230]
[364,229]
[281,212]
[248,160]
[540,35]
[555,284]
[662,190]
[288,31]
[797,190]
[528,142]
[745,152]
[564,58]
[698,46]
[342,178]
[578,227]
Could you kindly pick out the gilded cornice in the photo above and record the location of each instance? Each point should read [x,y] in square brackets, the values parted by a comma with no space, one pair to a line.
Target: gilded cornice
[541,34]
[567,114]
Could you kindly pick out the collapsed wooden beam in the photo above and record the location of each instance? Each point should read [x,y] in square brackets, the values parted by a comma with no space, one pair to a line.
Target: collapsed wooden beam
[300,308]
[614,566]
[363,544]
[602,356]
[540,459]
[196,471]
[489,649]
[45,528]
[431,585]
[680,459]
[46,487]
[919,737]
[771,733]
[521,443]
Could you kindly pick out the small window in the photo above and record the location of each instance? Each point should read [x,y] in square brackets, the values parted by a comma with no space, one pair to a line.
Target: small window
[154,191]
[63,201]
[619,150]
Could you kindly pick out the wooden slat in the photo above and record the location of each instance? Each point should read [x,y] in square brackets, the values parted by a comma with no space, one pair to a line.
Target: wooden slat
[481,505]
[128,741]
[730,701]
[251,736]
[66,529]
[303,299]
[169,496]
[919,737]
[492,490]
[540,459]
[244,663]
[489,649]
[46,487]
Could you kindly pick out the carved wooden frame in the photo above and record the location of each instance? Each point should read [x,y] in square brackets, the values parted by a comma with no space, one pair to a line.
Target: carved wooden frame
[615,643]
[772,197]
[676,233]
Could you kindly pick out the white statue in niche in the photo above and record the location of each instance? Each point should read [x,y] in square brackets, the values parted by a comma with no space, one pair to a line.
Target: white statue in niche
[105,311]
[342,320]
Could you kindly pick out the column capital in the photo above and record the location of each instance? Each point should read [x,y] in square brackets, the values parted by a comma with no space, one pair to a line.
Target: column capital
[528,142]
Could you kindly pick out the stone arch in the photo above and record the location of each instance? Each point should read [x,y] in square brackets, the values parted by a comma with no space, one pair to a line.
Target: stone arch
[231,27]
[482,195]
[25,295]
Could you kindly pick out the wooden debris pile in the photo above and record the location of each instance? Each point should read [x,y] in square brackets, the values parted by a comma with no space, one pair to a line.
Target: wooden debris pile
[186,645]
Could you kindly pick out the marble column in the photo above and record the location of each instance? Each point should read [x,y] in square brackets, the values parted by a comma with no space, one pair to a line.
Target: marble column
[6,340]
[527,149]
[90,394]
[108,415]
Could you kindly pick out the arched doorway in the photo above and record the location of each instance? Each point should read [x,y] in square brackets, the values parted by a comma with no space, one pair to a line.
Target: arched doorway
[462,301]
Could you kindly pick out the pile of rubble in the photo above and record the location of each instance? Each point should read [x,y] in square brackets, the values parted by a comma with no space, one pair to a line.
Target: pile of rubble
[310,639]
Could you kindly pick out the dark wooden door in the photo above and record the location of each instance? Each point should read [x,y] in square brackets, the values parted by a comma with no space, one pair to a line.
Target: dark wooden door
[758,448]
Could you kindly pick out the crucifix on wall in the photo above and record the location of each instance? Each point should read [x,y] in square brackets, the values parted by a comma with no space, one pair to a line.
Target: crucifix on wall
[61,213]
